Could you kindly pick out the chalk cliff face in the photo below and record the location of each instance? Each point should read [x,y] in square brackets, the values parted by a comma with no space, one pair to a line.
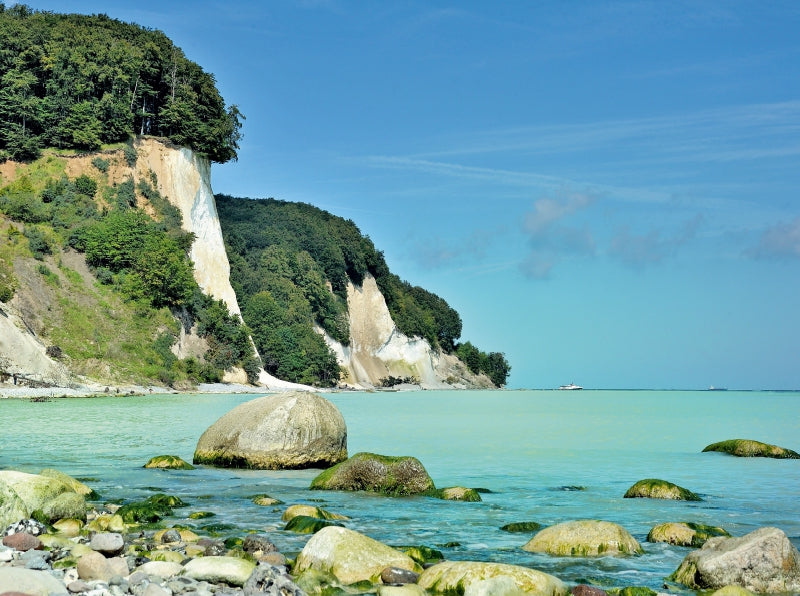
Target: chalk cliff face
[184,178]
[377,349]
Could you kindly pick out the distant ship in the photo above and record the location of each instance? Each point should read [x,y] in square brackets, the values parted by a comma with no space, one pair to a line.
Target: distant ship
[570,387]
[712,388]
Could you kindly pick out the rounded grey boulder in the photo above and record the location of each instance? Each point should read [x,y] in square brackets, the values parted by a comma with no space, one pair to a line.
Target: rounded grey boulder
[291,430]
[763,561]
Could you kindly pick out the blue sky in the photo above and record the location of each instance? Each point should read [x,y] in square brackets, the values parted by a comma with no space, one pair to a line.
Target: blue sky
[606,191]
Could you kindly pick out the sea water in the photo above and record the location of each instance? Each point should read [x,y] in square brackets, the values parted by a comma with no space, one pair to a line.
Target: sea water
[543,456]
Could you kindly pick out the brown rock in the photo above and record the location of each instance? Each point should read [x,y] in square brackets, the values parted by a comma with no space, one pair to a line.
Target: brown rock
[22,542]
[584,590]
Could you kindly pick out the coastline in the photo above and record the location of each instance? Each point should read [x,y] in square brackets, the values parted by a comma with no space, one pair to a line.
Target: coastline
[10,391]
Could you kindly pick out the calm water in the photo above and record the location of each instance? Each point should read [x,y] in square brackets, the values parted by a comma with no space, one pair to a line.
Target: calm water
[532,449]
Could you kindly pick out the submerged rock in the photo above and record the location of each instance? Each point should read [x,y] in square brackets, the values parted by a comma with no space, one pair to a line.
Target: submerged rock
[377,473]
[350,556]
[684,533]
[653,488]
[309,511]
[459,577]
[584,538]
[530,526]
[291,430]
[459,493]
[168,462]
[763,561]
[750,448]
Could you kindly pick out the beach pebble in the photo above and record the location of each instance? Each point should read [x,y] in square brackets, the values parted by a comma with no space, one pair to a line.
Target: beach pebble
[397,575]
[258,543]
[27,526]
[107,543]
[22,541]
[268,579]
[171,536]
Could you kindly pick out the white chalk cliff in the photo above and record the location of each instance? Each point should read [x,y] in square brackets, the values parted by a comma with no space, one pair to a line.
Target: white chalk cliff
[377,349]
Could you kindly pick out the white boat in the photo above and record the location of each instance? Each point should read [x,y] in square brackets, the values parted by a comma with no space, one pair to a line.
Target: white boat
[570,387]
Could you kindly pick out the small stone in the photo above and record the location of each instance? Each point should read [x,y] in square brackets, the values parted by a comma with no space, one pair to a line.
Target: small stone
[584,590]
[216,549]
[78,586]
[107,543]
[398,575]
[171,536]
[22,541]
[268,579]
[255,543]
[28,526]
[155,590]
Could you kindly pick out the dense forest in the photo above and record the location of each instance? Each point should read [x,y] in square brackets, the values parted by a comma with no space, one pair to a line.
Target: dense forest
[282,257]
[78,82]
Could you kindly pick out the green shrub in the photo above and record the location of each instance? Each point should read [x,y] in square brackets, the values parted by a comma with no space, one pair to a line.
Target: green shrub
[101,164]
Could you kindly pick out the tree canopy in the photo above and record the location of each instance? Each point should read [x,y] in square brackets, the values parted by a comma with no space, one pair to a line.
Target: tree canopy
[77,82]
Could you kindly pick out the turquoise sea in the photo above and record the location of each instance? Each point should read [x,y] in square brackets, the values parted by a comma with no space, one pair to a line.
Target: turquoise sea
[546,456]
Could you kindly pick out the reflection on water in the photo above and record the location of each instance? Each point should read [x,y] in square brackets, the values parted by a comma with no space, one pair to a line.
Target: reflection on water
[546,456]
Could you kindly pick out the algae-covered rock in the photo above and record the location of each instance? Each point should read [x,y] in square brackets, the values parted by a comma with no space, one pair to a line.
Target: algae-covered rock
[633,591]
[168,462]
[763,561]
[65,505]
[750,448]
[76,485]
[653,488]
[34,490]
[530,526]
[68,528]
[265,500]
[456,577]
[305,524]
[424,555]
[459,493]
[584,538]
[230,570]
[290,430]
[350,556]
[377,473]
[12,508]
[310,511]
[684,533]
[150,510]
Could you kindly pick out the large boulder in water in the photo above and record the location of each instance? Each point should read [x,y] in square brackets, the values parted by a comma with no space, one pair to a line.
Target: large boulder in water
[750,448]
[377,473]
[349,556]
[763,561]
[463,577]
[292,430]
[584,538]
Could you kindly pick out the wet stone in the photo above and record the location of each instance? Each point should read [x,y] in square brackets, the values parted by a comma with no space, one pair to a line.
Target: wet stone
[398,576]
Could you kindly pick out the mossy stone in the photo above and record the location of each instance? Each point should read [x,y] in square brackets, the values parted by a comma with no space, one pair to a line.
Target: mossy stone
[305,524]
[388,475]
[310,511]
[750,448]
[451,578]
[684,533]
[584,538]
[168,462]
[654,488]
[265,500]
[201,514]
[150,510]
[424,555]
[530,526]
[459,493]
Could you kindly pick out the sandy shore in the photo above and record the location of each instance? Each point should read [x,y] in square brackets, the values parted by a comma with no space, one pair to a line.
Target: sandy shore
[10,391]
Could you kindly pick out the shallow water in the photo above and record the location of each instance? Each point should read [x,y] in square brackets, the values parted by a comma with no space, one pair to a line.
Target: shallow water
[546,456]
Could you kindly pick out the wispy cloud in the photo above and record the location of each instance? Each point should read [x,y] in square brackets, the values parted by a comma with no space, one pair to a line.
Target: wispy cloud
[780,241]
[647,248]
[551,238]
